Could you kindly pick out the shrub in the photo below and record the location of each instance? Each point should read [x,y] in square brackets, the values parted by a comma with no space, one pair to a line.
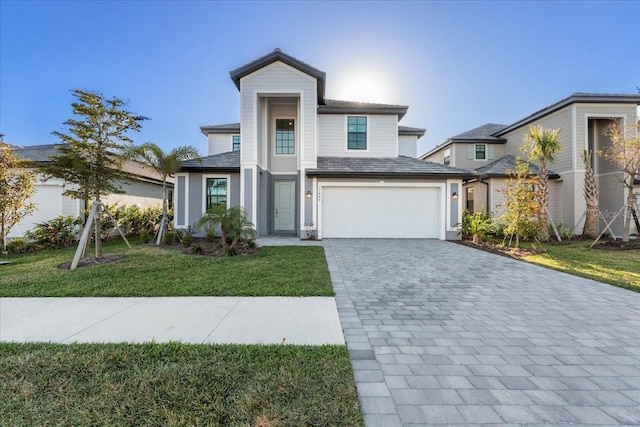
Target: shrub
[145,236]
[169,238]
[59,232]
[234,226]
[130,219]
[185,237]
[477,225]
[211,234]
[197,249]
[17,246]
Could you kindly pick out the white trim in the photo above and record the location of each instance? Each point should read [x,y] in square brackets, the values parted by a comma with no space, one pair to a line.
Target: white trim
[315,199]
[441,186]
[206,176]
[574,137]
[475,152]
[231,138]
[273,65]
[301,138]
[242,184]
[449,197]
[186,199]
[254,196]
[346,134]
[295,136]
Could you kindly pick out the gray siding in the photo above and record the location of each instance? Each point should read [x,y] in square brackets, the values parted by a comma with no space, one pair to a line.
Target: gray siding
[220,143]
[382,136]
[460,155]
[196,202]
[180,210]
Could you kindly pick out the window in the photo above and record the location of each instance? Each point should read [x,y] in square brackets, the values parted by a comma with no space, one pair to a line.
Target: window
[481,152]
[285,137]
[470,199]
[356,133]
[216,192]
[235,143]
[447,156]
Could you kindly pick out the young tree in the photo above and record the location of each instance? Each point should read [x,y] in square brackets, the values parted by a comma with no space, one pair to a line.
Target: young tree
[543,145]
[521,205]
[624,152]
[16,187]
[165,165]
[590,191]
[91,154]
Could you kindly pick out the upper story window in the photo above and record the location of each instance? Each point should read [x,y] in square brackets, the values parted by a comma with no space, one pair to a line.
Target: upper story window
[481,152]
[447,156]
[285,136]
[216,193]
[235,143]
[356,133]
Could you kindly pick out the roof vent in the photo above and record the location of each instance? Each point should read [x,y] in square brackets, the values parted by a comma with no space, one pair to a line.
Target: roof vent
[277,49]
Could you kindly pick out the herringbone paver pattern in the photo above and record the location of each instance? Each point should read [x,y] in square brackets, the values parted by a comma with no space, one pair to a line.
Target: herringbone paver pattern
[442,334]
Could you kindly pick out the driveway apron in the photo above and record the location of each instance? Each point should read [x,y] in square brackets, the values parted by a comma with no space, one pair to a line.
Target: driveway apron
[439,333]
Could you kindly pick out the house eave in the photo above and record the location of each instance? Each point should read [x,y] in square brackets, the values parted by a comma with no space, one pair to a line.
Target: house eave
[387,175]
[398,111]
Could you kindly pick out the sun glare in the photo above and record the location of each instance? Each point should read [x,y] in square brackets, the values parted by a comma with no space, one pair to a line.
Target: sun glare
[363,86]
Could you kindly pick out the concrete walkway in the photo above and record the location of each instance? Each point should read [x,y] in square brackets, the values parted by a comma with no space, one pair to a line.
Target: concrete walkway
[248,320]
[442,334]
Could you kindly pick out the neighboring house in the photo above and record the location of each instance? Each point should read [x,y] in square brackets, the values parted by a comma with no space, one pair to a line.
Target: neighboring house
[582,118]
[298,162]
[144,189]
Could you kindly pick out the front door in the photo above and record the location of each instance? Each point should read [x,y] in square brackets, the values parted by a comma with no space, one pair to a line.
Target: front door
[284,206]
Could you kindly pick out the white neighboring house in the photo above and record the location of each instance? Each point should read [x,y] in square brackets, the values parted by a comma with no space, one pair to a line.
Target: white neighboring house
[144,190]
[490,150]
[297,161]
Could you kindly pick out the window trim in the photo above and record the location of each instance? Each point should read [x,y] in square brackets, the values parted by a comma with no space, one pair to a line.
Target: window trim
[204,189]
[239,142]
[447,155]
[367,133]
[295,136]
[475,152]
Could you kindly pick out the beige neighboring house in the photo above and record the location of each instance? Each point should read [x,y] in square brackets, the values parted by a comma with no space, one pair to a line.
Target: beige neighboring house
[582,118]
[144,190]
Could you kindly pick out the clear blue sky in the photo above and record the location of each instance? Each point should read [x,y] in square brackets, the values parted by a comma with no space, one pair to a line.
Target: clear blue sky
[456,64]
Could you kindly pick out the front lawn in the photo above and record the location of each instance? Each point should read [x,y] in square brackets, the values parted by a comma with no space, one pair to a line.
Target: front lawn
[176,384]
[153,272]
[619,268]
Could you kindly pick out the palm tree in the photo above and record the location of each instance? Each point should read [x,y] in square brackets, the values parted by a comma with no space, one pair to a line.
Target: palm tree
[543,145]
[165,164]
[234,226]
[590,190]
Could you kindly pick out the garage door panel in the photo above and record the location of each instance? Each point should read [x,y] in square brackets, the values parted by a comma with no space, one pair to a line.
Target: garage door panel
[381,212]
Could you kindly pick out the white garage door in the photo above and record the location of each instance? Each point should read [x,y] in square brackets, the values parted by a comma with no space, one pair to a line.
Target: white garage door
[381,212]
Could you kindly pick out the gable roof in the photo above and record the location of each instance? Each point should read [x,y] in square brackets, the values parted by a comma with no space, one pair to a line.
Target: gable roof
[392,167]
[406,130]
[223,162]
[278,55]
[592,98]
[333,106]
[482,134]
[500,168]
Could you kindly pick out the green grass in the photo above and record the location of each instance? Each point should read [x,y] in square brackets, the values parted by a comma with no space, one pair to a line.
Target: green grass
[176,384]
[619,268]
[152,271]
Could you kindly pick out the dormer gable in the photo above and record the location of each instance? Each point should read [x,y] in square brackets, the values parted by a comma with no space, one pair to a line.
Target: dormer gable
[275,56]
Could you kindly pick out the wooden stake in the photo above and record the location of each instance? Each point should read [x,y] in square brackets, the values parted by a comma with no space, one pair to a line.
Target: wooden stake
[84,239]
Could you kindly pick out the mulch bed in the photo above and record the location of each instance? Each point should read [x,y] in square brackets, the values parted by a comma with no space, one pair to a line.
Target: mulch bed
[92,261]
[508,252]
[210,248]
[617,245]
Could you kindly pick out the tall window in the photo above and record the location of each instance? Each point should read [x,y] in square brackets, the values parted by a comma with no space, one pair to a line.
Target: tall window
[470,198]
[356,133]
[447,156]
[216,192]
[235,143]
[285,136]
[481,151]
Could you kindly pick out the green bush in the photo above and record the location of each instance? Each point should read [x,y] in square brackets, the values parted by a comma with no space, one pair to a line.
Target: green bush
[131,219]
[60,232]
[145,236]
[169,238]
[477,225]
[17,246]
[185,237]
[197,249]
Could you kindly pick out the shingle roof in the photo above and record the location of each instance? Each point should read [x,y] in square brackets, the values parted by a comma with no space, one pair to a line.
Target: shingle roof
[384,167]
[481,133]
[406,130]
[609,98]
[229,162]
[501,166]
[334,106]
[278,55]
[36,153]
[225,128]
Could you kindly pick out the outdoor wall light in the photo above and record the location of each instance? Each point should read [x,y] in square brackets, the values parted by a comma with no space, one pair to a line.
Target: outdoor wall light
[454,196]
[309,195]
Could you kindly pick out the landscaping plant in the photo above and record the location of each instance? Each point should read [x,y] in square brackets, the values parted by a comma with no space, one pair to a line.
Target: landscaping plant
[590,192]
[234,226]
[60,232]
[477,225]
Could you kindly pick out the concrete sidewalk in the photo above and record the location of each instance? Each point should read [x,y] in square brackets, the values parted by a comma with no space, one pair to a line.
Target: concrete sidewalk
[241,320]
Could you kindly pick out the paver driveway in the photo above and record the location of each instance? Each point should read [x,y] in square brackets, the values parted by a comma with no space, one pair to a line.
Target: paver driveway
[444,334]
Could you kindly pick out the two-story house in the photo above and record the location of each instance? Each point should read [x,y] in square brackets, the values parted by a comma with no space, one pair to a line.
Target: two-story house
[297,162]
[582,118]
